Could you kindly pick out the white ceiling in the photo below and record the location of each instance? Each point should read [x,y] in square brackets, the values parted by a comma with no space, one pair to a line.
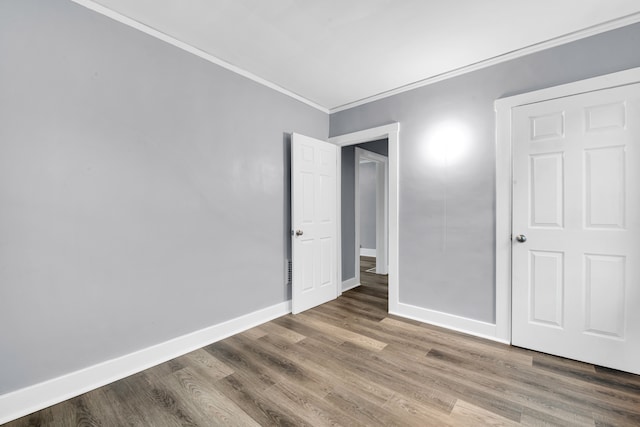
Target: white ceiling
[337,52]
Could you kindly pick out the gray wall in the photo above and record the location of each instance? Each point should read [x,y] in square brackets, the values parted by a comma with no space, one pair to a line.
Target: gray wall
[348,205]
[367,181]
[447,215]
[143,191]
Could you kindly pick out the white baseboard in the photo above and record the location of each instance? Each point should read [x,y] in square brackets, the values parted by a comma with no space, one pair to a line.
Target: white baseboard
[350,284]
[22,402]
[368,252]
[448,321]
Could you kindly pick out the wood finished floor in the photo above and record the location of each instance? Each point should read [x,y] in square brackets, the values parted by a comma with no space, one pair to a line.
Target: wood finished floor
[350,363]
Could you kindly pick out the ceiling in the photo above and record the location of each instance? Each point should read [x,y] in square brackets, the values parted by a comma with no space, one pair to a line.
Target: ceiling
[334,53]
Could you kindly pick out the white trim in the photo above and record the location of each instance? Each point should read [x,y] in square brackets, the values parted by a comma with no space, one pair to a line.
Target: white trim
[21,402]
[392,133]
[350,284]
[368,252]
[558,41]
[367,135]
[90,4]
[503,108]
[449,321]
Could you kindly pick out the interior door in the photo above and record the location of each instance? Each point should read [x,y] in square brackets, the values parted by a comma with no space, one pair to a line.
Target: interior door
[576,227]
[313,218]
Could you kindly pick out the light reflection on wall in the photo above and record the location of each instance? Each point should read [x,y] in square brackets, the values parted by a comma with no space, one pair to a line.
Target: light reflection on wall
[448,143]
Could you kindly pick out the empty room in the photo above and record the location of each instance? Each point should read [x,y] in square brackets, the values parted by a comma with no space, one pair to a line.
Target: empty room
[319,213]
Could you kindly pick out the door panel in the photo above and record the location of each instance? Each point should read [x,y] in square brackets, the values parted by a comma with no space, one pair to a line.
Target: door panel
[605,295]
[605,187]
[576,198]
[313,217]
[546,288]
[547,186]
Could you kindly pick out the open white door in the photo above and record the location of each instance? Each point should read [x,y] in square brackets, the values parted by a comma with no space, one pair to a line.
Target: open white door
[576,226]
[314,224]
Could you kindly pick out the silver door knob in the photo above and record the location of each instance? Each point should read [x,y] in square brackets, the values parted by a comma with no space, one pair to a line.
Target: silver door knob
[299,232]
[521,238]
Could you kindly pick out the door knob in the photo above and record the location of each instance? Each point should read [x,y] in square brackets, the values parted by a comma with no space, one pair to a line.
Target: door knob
[299,232]
[521,238]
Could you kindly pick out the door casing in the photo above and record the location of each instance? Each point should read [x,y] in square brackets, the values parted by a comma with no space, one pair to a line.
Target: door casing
[392,133]
[504,178]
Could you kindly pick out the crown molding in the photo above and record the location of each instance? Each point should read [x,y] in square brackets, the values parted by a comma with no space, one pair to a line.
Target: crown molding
[116,16]
[558,41]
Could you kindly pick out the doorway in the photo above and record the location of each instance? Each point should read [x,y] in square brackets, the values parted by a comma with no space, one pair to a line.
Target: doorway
[371,204]
[391,134]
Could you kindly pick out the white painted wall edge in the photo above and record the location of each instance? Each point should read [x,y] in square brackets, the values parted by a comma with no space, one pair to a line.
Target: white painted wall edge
[448,321]
[89,4]
[368,252]
[22,402]
[350,284]
[558,41]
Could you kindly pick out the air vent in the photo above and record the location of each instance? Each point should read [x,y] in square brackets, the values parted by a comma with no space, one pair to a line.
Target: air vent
[288,270]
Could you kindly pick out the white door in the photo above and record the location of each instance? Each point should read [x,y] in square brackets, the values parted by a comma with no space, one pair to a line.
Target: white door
[576,200]
[313,218]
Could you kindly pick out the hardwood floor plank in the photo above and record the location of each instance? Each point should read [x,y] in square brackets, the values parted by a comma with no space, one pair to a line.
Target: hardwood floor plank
[442,338]
[577,371]
[466,414]
[376,331]
[344,334]
[332,372]
[244,365]
[365,411]
[285,333]
[281,368]
[256,403]
[383,372]
[316,411]
[352,309]
[490,377]
[298,325]
[135,400]
[62,415]
[205,401]
[206,364]
[520,386]
[422,375]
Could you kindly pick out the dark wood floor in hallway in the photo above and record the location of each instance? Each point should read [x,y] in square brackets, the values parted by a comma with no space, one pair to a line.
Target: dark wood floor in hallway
[349,362]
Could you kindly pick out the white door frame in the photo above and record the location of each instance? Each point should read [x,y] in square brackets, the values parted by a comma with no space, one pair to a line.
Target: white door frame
[503,109]
[392,133]
[382,207]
